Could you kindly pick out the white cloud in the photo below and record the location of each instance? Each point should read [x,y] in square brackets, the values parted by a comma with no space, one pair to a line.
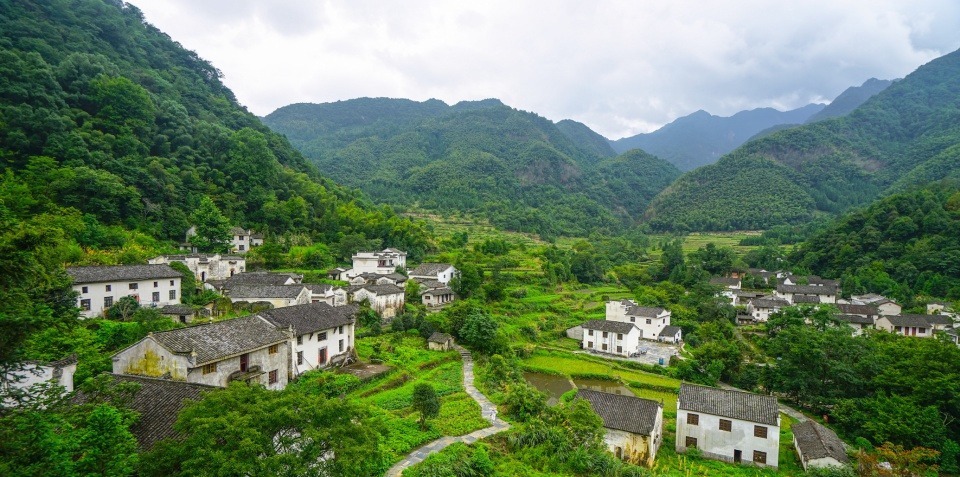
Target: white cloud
[621,67]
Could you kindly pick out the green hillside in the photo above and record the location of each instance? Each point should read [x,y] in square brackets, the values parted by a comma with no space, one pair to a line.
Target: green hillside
[906,135]
[519,170]
[105,117]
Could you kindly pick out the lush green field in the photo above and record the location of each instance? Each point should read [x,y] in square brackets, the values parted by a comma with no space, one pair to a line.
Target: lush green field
[574,365]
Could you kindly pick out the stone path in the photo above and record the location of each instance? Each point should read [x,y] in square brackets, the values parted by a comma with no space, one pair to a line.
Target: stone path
[487,408]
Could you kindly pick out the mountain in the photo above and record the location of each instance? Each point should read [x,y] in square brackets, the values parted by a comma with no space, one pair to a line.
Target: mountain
[850,99]
[107,120]
[906,135]
[520,170]
[701,138]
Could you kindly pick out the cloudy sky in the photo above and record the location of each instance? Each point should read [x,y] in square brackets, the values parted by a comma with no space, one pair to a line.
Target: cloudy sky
[621,67]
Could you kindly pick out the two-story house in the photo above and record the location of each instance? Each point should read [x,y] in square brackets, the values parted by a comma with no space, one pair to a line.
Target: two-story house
[387,300]
[649,320]
[207,267]
[633,427]
[441,272]
[732,426]
[329,294]
[246,349]
[323,335]
[613,337]
[824,294]
[98,288]
[383,262]
[761,308]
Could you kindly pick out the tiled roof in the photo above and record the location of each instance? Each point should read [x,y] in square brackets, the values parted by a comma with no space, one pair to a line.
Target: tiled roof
[264,291]
[908,320]
[430,284]
[644,311]
[859,319]
[177,310]
[815,280]
[725,281]
[438,337]
[438,291]
[938,319]
[807,289]
[386,289]
[670,331]
[261,278]
[851,309]
[220,339]
[430,269]
[158,402]
[625,413]
[320,288]
[817,442]
[606,325]
[806,299]
[733,404]
[312,317]
[769,302]
[238,231]
[117,273]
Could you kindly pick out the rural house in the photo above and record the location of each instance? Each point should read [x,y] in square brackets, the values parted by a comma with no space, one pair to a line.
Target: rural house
[441,272]
[241,240]
[649,320]
[614,337]
[818,446]
[761,308]
[434,297]
[207,267]
[804,293]
[921,326]
[732,426]
[19,378]
[243,349]
[100,287]
[323,335]
[179,313]
[386,300]
[277,296]
[329,294]
[633,427]
[440,341]
[884,305]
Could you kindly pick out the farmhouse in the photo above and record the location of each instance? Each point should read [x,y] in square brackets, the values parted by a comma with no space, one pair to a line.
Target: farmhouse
[761,308]
[435,297]
[826,294]
[818,446]
[329,294]
[614,337]
[383,262]
[179,313]
[732,426]
[386,300]
[857,322]
[277,296]
[440,341]
[323,335]
[884,305]
[99,287]
[243,349]
[441,272]
[649,320]
[206,267]
[633,426]
[922,326]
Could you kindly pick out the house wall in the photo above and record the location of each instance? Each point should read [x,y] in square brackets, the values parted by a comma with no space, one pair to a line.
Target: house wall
[311,344]
[302,299]
[148,358]
[889,309]
[429,299]
[814,463]
[33,374]
[443,276]
[262,357]
[651,330]
[214,268]
[594,340]
[386,305]
[635,448]
[915,331]
[97,293]
[371,264]
[716,444]
[438,346]
[761,314]
[240,243]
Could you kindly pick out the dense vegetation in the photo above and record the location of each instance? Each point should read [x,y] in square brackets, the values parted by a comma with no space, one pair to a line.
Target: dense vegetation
[517,169]
[105,115]
[903,136]
[701,138]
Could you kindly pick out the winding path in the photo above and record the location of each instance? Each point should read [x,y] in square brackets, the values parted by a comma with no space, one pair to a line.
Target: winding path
[487,409]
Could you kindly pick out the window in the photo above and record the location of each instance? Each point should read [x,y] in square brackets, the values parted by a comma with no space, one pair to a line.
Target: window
[604,346]
[85,304]
[244,362]
[922,331]
[241,248]
[83,290]
[299,358]
[590,344]
[156,284]
[589,332]
[633,320]
[619,349]
[339,330]
[171,282]
[322,336]
[341,346]
[241,238]
[107,301]
[133,286]
[273,377]
[109,287]
[648,321]
[619,336]
[691,442]
[173,294]
[760,431]
[759,457]
[693,419]
[273,349]
[156,297]
[209,368]
[897,329]
[725,425]
[604,334]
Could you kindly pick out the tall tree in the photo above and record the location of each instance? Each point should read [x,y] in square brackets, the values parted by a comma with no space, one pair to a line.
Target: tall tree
[426,402]
[212,228]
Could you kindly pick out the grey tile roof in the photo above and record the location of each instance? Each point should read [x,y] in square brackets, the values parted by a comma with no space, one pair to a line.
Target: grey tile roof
[859,319]
[158,402]
[606,325]
[816,442]
[908,320]
[386,289]
[725,281]
[238,231]
[851,309]
[670,331]
[807,289]
[312,317]
[177,310]
[430,284]
[938,319]
[644,311]
[438,291]
[430,269]
[261,278]
[625,413]
[117,273]
[815,280]
[438,337]
[264,291]
[220,339]
[321,288]
[806,299]
[733,404]
[769,302]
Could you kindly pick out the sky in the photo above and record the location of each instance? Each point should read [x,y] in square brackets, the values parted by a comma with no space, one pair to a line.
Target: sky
[620,67]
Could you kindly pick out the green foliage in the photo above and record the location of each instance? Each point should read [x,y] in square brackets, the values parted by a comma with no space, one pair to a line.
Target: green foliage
[212,228]
[425,402]
[480,332]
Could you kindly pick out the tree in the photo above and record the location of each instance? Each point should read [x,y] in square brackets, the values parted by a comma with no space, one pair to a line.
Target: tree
[468,280]
[411,292]
[426,402]
[479,331]
[123,309]
[212,228]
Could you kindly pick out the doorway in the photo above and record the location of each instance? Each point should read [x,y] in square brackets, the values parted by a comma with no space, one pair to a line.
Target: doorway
[737,456]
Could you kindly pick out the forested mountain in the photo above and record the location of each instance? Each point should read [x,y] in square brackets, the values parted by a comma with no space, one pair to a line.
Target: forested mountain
[906,135]
[904,245]
[850,99]
[518,169]
[107,119]
[701,138]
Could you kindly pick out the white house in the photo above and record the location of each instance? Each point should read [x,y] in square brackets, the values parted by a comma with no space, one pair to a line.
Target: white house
[633,427]
[818,446]
[732,426]
[921,326]
[761,308]
[17,380]
[277,295]
[241,240]
[825,294]
[884,305]
[386,300]
[383,262]
[649,320]
[614,337]
[434,297]
[323,335]
[329,294]
[671,334]
[441,272]
[857,323]
[729,285]
[246,349]
[99,287]
[207,267]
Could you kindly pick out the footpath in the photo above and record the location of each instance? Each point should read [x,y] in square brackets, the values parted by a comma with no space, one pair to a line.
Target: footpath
[487,408]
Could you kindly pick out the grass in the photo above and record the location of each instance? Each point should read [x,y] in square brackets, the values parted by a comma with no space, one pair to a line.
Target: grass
[580,365]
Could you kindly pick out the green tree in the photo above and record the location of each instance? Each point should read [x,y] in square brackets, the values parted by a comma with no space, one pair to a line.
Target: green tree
[468,280]
[480,332]
[426,402]
[212,228]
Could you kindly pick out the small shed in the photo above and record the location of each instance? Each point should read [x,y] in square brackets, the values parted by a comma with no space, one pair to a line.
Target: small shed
[818,446]
[671,334]
[440,342]
[179,313]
